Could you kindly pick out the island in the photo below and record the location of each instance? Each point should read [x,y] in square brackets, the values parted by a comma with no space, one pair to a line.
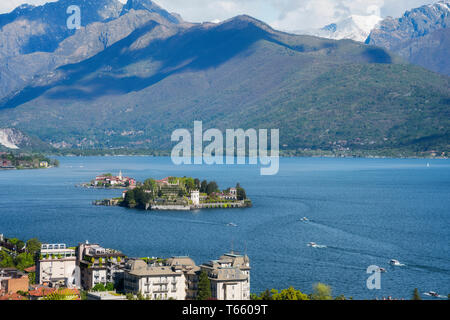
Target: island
[11,161]
[175,193]
[108,181]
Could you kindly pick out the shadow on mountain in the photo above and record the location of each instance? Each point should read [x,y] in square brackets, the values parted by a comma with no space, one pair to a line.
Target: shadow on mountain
[377,55]
[196,49]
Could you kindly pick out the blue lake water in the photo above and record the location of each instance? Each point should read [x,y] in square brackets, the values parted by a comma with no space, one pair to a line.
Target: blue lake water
[365,211]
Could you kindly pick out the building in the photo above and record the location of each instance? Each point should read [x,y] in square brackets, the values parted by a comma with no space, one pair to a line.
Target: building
[43,164]
[12,281]
[156,282]
[99,265]
[114,181]
[56,266]
[178,278]
[195,197]
[229,277]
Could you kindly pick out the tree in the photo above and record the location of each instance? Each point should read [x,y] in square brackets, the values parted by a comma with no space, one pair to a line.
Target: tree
[321,292]
[289,294]
[33,246]
[204,287]
[24,260]
[189,184]
[19,244]
[212,187]
[240,193]
[150,184]
[6,261]
[203,186]
[109,286]
[32,277]
[416,295]
[99,287]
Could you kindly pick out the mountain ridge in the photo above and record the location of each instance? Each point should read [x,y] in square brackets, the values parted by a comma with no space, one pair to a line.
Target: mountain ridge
[321,93]
[421,36]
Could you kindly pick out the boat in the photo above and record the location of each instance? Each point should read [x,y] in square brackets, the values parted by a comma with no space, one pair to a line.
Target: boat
[315,245]
[394,262]
[231,224]
[304,219]
[428,165]
[432,294]
[381,269]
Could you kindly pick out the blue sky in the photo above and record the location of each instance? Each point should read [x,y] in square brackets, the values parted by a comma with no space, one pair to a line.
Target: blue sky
[280,14]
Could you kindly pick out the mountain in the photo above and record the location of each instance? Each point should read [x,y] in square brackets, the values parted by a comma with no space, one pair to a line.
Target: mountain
[36,41]
[13,139]
[355,27]
[421,36]
[341,96]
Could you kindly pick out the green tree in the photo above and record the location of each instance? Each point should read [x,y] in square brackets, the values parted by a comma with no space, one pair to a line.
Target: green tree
[204,287]
[33,246]
[289,294]
[203,186]
[109,286]
[6,261]
[24,260]
[240,193]
[150,184]
[19,244]
[321,292]
[416,295]
[212,187]
[99,287]
[32,277]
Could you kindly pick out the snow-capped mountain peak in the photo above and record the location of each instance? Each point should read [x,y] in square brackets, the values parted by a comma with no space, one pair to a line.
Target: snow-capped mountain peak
[355,27]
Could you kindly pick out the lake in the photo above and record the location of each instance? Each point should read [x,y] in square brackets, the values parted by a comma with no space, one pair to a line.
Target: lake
[364,211]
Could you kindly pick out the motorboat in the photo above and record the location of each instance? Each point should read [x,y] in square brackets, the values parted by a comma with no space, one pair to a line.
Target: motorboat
[315,245]
[394,262]
[432,294]
[231,224]
[304,219]
[381,269]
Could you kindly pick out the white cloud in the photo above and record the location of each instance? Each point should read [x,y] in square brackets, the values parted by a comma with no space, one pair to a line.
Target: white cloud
[281,14]
[9,5]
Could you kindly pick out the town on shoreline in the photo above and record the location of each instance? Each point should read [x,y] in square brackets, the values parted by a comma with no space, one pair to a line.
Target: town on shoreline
[36,271]
[171,193]
[13,161]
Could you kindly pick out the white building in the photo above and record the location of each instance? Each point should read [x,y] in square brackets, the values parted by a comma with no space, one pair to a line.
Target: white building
[229,277]
[154,282]
[56,266]
[195,197]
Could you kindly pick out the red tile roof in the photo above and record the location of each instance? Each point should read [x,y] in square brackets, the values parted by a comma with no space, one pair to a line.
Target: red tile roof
[30,269]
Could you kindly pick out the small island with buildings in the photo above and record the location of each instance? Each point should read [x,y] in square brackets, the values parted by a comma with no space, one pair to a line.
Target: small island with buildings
[13,161]
[171,193]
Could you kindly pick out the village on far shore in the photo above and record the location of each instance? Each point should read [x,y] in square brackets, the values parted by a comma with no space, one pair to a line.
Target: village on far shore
[171,193]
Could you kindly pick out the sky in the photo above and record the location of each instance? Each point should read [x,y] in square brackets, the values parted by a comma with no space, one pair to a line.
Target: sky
[281,14]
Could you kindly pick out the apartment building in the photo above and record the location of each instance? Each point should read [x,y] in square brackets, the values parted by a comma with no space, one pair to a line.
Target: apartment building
[56,266]
[99,265]
[178,278]
[229,277]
